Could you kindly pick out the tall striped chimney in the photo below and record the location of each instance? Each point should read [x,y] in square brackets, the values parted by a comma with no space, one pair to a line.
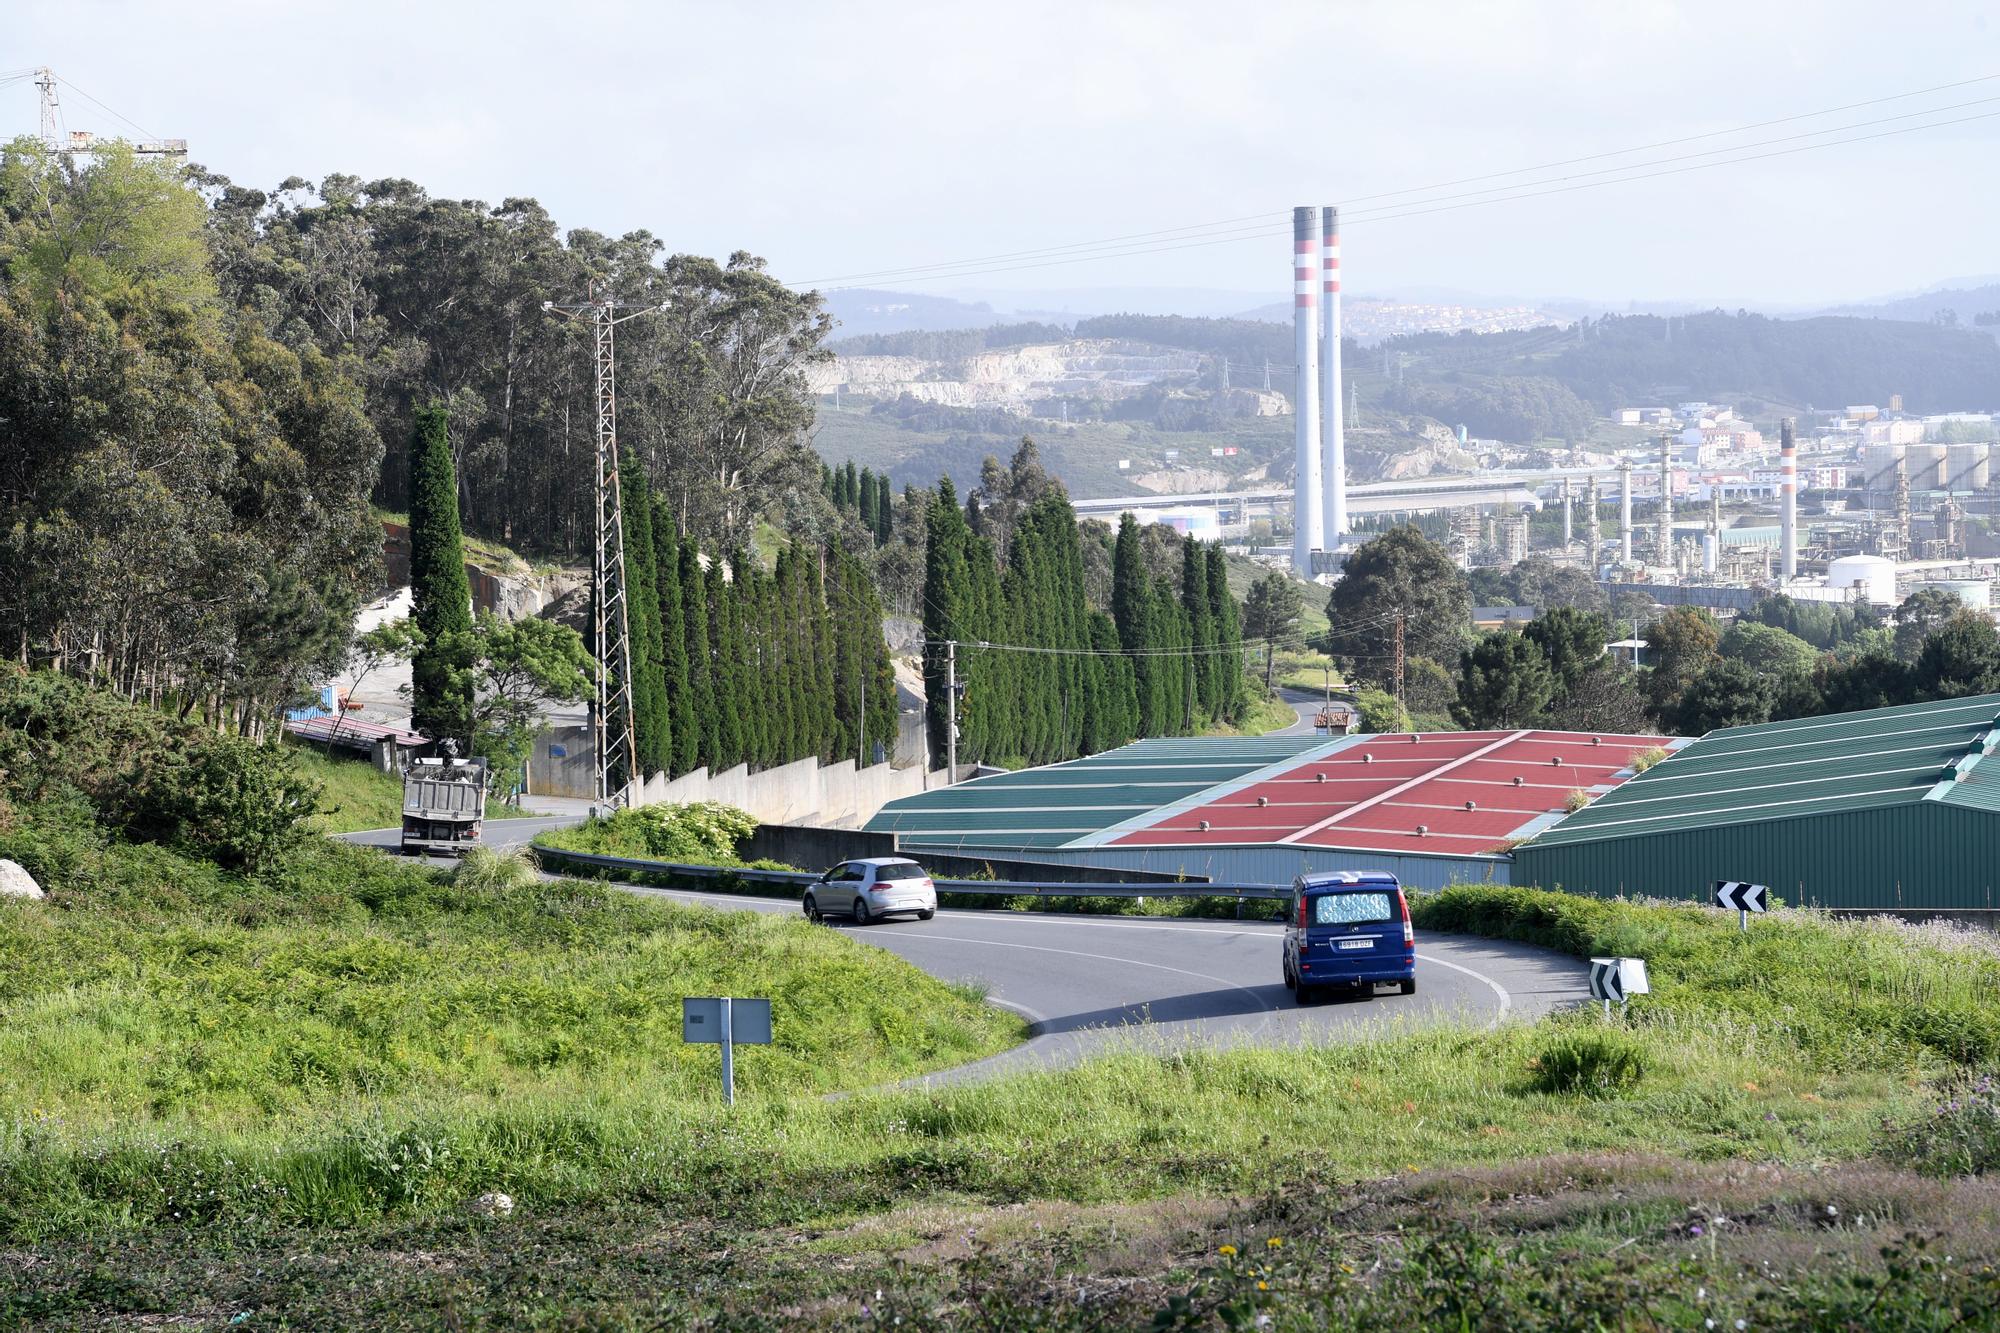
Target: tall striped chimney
[1309,530]
[1788,501]
[1666,498]
[1625,510]
[1332,402]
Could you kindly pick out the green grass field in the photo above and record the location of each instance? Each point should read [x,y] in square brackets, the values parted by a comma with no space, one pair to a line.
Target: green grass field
[277,1096]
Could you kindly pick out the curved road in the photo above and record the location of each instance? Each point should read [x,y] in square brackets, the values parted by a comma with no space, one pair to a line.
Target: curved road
[1096,984]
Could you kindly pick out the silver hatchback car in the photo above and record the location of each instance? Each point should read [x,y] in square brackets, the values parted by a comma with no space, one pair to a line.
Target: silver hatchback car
[870,889]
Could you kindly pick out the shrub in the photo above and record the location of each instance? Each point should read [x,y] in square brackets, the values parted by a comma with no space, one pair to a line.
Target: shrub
[1590,1064]
[1645,759]
[485,870]
[1960,1136]
[235,802]
[1576,800]
[701,833]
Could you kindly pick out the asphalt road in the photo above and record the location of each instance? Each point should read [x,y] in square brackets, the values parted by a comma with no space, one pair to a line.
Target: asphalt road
[1095,984]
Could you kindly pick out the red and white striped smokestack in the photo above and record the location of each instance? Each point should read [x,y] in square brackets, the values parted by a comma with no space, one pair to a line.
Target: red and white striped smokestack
[1788,501]
[1309,532]
[1332,402]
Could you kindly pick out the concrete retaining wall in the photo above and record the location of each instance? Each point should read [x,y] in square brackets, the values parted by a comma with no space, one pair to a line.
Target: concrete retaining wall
[804,792]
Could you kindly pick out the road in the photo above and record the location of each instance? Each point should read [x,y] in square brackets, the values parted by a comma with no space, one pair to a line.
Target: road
[1092,985]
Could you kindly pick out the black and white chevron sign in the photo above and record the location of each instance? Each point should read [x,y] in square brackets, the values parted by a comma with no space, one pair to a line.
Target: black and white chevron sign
[1739,896]
[1605,983]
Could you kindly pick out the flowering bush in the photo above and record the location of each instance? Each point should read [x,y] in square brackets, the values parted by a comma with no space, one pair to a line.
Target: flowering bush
[1960,1136]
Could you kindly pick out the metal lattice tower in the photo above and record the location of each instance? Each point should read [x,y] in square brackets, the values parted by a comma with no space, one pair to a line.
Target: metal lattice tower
[45,82]
[613,723]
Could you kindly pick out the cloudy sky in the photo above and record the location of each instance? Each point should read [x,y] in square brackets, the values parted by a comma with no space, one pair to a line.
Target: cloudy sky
[850,138]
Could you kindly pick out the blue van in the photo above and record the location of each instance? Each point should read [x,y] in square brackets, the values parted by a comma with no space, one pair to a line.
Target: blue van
[1348,928]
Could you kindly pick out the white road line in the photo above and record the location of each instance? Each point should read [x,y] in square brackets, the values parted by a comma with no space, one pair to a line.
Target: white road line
[1506,1000]
[1105,958]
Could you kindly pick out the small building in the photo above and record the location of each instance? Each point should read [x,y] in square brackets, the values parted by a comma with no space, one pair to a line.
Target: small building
[1894,808]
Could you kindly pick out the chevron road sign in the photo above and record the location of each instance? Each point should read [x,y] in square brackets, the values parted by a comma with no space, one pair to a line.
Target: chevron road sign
[1743,898]
[1617,980]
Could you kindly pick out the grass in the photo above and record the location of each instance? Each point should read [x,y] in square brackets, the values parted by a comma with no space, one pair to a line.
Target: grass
[1267,713]
[221,1095]
[1301,670]
[355,795]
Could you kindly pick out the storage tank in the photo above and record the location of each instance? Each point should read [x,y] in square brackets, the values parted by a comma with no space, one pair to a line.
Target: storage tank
[1875,575]
[1967,467]
[1878,466]
[1977,594]
[1925,463]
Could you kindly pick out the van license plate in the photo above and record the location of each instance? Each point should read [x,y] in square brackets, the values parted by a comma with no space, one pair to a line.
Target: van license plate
[1357,944]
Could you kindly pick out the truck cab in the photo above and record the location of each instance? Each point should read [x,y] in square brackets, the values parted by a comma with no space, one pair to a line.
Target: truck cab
[1348,928]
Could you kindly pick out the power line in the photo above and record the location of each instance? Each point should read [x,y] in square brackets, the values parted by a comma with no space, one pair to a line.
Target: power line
[1229,231]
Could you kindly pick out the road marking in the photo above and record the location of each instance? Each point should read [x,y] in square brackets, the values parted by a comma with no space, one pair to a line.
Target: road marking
[1105,958]
[1506,1001]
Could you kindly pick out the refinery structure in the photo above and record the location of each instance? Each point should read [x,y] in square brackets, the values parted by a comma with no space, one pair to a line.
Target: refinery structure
[1706,514]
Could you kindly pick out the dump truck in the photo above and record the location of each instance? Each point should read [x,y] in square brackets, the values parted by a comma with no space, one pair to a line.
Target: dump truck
[444,803]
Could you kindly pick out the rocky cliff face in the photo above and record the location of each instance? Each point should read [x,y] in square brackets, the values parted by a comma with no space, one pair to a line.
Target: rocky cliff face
[511,594]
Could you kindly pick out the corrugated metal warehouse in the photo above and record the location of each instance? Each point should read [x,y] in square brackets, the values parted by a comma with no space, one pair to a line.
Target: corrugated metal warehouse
[1892,808]
[1434,809]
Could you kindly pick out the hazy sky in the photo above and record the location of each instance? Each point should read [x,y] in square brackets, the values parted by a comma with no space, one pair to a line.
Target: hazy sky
[844,138]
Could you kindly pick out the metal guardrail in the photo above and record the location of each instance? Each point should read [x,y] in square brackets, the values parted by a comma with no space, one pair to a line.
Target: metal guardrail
[995,888]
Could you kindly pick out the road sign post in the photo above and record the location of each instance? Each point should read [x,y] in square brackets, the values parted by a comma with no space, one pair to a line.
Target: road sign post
[1744,898]
[723,1021]
[1617,979]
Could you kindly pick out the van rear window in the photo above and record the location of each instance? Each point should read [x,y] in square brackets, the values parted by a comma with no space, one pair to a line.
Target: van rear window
[1352,909]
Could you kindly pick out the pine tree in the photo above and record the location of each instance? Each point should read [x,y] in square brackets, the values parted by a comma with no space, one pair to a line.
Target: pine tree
[652,718]
[700,652]
[685,718]
[441,682]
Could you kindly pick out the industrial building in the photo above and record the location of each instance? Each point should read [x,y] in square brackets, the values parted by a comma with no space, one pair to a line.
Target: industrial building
[1434,809]
[1895,808]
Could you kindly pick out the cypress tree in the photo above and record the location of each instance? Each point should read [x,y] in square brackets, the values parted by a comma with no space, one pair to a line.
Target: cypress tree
[885,510]
[946,575]
[867,500]
[700,652]
[1201,632]
[820,688]
[652,719]
[1120,720]
[685,721]
[725,633]
[441,684]
[1228,634]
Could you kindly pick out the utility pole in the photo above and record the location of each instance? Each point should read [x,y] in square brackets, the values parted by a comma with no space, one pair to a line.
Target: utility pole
[950,711]
[612,723]
[1399,660]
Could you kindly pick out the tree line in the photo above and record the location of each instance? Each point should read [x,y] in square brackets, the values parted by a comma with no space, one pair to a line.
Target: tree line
[183,491]
[419,299]
[1044,674]
[733,663]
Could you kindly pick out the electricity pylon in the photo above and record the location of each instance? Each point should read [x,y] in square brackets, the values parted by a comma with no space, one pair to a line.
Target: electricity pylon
[613,727]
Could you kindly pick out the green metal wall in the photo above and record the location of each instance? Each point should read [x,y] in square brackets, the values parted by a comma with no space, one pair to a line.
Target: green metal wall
[1924,855]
